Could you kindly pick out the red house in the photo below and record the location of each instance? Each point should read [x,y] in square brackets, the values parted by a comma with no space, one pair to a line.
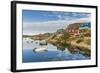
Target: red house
[73,31]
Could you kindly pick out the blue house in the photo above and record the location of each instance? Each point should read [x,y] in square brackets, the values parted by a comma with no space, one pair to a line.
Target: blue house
[85,26]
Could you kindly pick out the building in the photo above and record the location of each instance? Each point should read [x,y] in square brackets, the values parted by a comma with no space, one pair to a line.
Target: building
[85,26]
[60,31]
[85,29]
[78,28]
[73,31]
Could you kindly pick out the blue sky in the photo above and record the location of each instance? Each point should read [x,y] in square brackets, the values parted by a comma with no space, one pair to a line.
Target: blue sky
[35,22]
[42,16]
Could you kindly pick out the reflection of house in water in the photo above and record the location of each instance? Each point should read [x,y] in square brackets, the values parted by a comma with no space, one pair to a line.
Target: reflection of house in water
[61,48]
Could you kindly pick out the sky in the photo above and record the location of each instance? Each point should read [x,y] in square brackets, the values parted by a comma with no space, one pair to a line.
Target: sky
[38,22]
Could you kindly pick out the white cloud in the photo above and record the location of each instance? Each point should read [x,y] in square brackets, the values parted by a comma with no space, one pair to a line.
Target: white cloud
[49,26]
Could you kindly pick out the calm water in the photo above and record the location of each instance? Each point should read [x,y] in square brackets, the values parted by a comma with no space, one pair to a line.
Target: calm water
[52,53]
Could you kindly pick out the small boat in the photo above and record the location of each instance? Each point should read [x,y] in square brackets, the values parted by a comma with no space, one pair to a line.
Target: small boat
[27,41]
[36,42]
[40,49]
[43,42]
[31,41]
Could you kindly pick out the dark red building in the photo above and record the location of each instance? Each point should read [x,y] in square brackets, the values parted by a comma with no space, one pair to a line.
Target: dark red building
[73,31]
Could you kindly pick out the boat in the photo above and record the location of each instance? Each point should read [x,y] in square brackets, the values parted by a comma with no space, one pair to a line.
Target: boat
[31,41]
[43,42]
[43,49]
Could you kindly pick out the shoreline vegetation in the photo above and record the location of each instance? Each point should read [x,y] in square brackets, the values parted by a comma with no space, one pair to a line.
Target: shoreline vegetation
[61,38]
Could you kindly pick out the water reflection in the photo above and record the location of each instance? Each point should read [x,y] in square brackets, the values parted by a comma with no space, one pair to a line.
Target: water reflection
[61,48]
[41,51]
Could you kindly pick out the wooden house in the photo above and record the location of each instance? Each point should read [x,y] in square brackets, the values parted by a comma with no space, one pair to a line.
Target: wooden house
[73,29]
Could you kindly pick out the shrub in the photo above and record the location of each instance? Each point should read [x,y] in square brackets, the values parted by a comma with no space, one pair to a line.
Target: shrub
[79,41]
[88,42]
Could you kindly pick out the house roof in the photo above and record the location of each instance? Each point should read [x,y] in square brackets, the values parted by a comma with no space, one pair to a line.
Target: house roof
[85,25]
[73,26]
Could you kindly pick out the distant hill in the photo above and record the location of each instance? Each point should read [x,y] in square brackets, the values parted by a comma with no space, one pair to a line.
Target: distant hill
[27,35]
